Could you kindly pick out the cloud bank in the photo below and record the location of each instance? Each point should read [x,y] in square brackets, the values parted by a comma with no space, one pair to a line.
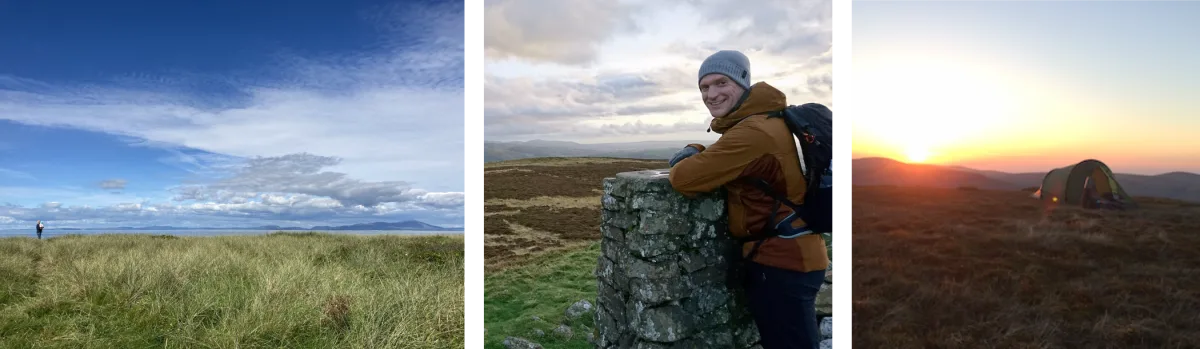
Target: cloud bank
[626,70]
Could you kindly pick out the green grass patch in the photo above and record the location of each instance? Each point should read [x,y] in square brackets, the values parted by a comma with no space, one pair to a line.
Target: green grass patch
[278,290]
[544,289]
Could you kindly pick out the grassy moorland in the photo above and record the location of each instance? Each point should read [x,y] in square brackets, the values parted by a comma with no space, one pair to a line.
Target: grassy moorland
[542,233]
[538,206]
[305,290]
[542,241]
[947,268]
[534,296]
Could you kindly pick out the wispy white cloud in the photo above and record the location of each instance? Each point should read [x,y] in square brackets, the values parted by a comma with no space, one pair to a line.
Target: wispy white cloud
[302,174]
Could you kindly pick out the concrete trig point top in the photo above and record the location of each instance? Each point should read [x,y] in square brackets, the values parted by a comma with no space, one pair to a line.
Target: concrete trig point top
[664,275]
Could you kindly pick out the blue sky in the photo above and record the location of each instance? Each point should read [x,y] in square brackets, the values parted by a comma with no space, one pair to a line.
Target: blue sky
[140,113]
[1028,86]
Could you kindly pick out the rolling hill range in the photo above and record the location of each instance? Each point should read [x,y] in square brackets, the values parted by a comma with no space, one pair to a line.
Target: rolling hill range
[883,171]
[653,150]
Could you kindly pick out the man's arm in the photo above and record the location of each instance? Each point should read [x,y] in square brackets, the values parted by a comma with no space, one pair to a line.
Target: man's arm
[721,163]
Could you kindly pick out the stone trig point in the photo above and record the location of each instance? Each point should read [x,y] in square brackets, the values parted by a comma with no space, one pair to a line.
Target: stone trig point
[665,274]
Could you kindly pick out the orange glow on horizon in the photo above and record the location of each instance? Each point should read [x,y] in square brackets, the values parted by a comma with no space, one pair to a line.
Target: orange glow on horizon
[939,101]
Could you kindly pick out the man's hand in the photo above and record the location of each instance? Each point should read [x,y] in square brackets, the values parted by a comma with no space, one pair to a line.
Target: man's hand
[691,149]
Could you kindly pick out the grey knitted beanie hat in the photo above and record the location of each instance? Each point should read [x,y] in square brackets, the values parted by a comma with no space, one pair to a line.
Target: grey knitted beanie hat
[730,63]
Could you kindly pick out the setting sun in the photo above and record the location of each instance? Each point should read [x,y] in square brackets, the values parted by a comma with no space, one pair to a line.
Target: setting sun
[917,154]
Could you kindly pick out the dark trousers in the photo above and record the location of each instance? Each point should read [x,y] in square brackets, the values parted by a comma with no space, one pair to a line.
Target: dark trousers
[39,234]
[782,303]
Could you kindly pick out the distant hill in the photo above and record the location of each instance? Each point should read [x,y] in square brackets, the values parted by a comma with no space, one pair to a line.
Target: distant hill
[880,171]
[405,225]
[652,150]
[883,171]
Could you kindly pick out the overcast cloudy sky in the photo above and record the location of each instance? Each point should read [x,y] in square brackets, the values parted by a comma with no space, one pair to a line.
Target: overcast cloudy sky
[230,113]
[623,71]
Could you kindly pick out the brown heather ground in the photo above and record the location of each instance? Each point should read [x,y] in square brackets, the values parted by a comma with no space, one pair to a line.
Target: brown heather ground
[958,268]
[534,206]
[542,240]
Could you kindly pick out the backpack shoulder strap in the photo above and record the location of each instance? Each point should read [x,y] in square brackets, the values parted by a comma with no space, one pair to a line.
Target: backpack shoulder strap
[766,188]
[771,225]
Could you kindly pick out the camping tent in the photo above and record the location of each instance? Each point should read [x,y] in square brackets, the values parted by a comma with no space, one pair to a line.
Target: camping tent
[1089,184]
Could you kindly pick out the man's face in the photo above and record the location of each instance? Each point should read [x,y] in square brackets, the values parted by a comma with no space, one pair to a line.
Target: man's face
[720,94]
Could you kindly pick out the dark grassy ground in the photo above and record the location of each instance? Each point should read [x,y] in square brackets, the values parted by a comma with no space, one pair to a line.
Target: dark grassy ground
[281,290]
[535,206]
[542,233]
[946,268]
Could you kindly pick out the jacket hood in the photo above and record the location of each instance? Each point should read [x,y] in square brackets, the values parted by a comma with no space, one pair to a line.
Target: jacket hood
[763,98]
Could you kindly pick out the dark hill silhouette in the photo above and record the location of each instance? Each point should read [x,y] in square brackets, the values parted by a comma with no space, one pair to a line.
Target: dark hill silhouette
[1174,185]
[883,171]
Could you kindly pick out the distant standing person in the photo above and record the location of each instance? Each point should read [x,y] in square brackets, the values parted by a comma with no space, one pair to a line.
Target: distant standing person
[39,229]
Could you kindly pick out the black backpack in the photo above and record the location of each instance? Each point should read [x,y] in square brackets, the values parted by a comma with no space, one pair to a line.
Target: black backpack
[812,125]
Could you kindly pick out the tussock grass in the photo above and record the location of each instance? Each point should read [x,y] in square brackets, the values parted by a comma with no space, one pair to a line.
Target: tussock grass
[544,288]
[292,290]
[944,268]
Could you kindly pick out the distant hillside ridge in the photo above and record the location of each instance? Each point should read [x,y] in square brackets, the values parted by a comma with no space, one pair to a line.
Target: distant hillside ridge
[884,171]
[649,150]
[405,225]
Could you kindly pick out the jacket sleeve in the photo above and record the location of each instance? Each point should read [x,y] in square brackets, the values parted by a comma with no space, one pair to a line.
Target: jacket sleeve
[720,163]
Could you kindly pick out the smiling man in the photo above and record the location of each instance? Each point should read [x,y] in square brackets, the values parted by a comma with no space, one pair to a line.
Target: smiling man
[785,262]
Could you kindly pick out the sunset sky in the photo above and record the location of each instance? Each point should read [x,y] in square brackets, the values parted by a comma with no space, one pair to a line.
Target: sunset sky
[1028,86]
